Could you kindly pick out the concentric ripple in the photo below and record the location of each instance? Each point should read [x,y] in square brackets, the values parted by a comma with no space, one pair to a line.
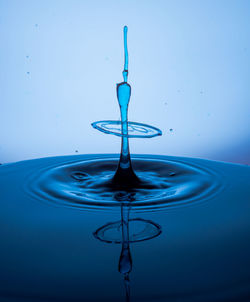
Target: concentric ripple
[88,182]
[135,130]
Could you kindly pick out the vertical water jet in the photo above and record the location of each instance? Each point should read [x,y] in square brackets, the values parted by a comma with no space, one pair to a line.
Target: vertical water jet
[125,177]
[125,174]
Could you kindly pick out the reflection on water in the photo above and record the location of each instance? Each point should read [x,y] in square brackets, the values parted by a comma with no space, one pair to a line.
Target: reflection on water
[119,233]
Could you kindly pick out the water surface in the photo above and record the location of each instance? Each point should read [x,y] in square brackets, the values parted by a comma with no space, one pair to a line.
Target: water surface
[49,250]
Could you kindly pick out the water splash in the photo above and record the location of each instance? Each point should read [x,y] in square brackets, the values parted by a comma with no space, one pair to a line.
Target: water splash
[99,182]
[125,175]
[88,182]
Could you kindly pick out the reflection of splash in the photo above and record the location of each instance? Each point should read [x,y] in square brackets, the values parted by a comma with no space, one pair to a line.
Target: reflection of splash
[119,232]
[125,261]
[140,230]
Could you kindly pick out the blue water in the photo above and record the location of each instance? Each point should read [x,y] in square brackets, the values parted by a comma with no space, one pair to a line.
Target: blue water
[119,232]
[58,247]
[164,182]
[110,227]
[89,184]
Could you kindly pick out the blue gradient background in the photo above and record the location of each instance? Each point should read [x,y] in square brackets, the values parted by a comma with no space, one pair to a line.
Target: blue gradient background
[189,70]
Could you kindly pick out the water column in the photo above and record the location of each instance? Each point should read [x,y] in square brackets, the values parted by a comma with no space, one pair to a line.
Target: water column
[124,174]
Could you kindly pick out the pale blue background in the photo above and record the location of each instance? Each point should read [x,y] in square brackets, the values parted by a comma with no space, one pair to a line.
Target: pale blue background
[189,70]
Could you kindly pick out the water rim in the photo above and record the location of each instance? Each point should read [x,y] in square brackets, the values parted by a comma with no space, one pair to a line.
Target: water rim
[143,130]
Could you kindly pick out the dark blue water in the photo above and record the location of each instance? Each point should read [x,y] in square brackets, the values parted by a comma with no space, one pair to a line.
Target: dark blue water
[124,228]
[58,247]
[89,183]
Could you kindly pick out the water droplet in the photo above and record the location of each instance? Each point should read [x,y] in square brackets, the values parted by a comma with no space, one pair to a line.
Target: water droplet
[171,130]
